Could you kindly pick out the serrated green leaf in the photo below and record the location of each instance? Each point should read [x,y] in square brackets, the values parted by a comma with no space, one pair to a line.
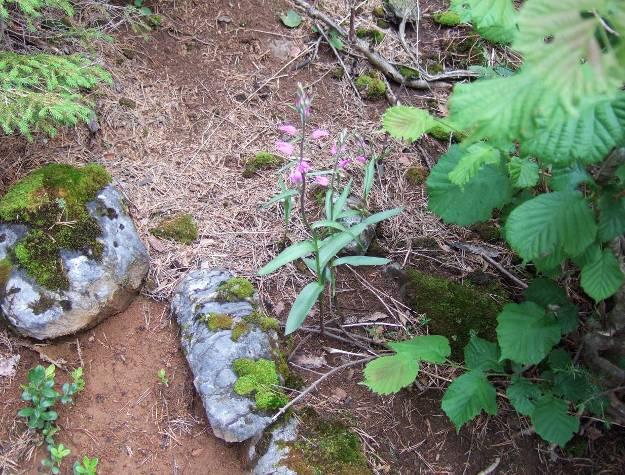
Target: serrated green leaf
[291,253]
[611,215]
[482,354]
[389,374]
[495,20]
[431,348]
[474,157]
[568,178]
[489,189]
[291,19]
[526,333]
[302,305]
[551,221]
[588,135]
[523,172]
[552,420]
[405,122]
[602,277]
[547,294]
[467,396]
[522,395]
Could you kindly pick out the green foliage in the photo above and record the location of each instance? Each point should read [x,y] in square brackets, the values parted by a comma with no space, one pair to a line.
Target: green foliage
[469,395]
[494,20]
[447,18]
[162,377]
[291,19]
[180,228]
[43,199]
[57,454]
[235,289]
[32,8]
[260,379]
[88,466]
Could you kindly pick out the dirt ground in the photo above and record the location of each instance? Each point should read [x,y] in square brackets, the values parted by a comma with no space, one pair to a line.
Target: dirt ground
[190,103]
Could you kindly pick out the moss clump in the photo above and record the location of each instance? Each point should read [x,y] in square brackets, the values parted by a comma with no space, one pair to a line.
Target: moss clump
[373,87]
[261,161]
[240,329]
[443,132]
[382,23]
[217,321]
[408,73]
[326,446]
[180,228]
[488,231]
[263,321]
[371,34]
[378,11]
[51,201]
[447,18]
[5,273]
[235,289]
[416,175]
[260,379]
[454,310]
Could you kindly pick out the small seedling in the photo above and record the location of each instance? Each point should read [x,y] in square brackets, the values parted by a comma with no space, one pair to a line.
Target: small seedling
[40,392]
[57,454]
[162,376]
[88,466]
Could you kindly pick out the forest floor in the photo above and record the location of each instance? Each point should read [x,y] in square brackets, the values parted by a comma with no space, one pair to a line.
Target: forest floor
[191,102]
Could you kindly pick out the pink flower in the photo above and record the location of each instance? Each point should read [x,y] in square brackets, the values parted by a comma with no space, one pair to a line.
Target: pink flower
[284,147]
[333,149]
[302,167]
[344,163]
[288,129]
[319,133]
[296,177]
[361,159]
[322,180]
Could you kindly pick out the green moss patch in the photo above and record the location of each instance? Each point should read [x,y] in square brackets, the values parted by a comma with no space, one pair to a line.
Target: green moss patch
[447,18]
[325,446]
[180,228]
[217,321]
[263,321]
[5,273]
[416,175]
[455,310]
[408,73]
[51,201]
[259,379]
[376,36]
[372,87]
[235,289]
[261,161]
[240,329]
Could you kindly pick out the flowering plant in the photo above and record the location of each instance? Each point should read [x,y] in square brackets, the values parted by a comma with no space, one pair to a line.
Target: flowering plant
[320,254]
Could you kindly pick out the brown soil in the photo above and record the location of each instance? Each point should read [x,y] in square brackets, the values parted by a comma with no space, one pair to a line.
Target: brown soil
[125,417]
[191,103]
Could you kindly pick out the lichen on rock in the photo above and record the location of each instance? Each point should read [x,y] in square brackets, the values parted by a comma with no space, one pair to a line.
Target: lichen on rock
[180,228]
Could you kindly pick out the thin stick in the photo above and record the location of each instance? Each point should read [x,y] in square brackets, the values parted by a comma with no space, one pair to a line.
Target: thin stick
[305,392]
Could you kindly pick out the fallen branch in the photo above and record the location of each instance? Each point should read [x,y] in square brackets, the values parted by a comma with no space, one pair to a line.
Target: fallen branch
[305,392]
[379,62]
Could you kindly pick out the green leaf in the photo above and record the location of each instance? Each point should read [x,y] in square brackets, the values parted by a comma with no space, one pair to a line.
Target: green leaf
[291,19]
[547,294]
[482,354]
[611,215]
[587,136]
[291,253]
[522,395]
[489,189]
[551,221]
[329,224]
[569,178]
[341,201]
[405,122]
[526,333]
[475,157]
[389,374]
[602,277]
[552,420]
[431,348]
[280,197]
[302,305]
[361,261]
[494,20]
[467,396]
[523,172]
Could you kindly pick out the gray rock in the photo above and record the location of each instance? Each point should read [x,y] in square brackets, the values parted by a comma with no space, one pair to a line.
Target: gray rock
[271,462]
[398,9]
[360,247]
[96,291]
[233,418]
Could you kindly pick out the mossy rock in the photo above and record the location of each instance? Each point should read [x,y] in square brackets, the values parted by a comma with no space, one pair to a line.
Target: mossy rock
[217,321]
[5,272]
[455,310]
[416,175]
[261,161]
[376,36]
[51,201]
[447,18]
[235,289]
[180,228]
[325,446]
[259,378]
[371,86]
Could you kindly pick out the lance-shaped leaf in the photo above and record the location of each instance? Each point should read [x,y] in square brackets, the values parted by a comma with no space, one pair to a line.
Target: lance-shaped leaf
[302,305]
[291,253]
